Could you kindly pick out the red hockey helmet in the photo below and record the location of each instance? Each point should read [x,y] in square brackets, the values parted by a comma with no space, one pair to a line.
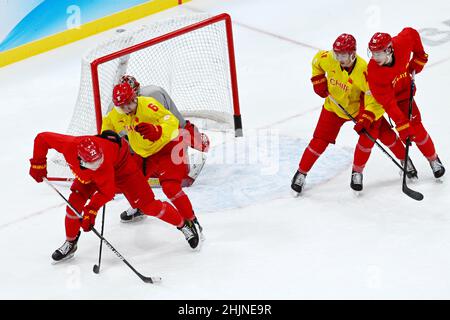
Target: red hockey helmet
[345,43]
[380,41]
[135,85]
[89,150]
[123,94]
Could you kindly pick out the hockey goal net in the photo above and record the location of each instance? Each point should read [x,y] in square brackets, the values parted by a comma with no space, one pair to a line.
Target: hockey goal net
[191,57]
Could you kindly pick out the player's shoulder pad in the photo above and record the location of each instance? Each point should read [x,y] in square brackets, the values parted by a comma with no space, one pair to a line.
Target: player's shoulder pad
[322,54]
[360,68]
[145,101]
[361,61]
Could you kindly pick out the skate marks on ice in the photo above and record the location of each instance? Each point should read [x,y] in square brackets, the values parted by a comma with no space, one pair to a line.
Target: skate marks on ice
[31,215]
[258,168]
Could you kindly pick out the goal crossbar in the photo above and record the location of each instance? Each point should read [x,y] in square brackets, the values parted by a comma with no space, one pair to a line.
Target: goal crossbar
[231,56]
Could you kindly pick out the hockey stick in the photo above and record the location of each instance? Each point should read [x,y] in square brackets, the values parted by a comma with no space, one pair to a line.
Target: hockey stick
[96,267]
[413,194]
[409,192]
[366,133]
[143,278]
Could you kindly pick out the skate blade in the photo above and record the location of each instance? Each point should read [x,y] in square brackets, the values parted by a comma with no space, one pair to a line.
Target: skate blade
[68,257]
[439,180]
[295,194]
[199,246]
[357,194]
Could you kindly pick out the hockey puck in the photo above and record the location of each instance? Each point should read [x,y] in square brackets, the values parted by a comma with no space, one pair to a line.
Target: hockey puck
[96,269]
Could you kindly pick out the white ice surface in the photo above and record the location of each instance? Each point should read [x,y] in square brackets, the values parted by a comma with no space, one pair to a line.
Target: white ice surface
[260,242]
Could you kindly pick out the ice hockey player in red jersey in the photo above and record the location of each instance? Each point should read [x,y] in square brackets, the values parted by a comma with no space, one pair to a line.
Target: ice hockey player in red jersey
[101,165]
[153,133]
[389,75]
[341,74]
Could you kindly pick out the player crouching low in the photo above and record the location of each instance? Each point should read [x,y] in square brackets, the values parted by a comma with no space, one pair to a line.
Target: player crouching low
[101,165]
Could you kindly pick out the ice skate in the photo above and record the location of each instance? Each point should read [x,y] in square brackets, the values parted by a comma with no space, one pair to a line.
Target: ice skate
[131,215]
[190,233]
[66,251]
[356,182]
[438,168]
[298,182]
[411,172]
[199,229]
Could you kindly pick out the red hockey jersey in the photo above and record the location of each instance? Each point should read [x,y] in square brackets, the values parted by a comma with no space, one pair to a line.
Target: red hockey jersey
[113,166]
[390,84]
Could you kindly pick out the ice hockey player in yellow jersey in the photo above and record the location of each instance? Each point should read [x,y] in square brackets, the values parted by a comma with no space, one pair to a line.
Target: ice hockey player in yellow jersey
[153,133]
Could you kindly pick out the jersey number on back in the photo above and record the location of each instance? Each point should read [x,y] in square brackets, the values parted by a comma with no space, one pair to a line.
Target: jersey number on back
[153,107]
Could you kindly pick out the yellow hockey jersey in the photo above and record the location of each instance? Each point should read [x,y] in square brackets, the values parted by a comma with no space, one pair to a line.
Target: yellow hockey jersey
[350,90]
[148,110]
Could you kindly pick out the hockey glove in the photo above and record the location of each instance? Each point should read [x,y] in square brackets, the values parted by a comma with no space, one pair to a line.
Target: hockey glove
[88,220]
[149,131]
[417,62]
[38,169]
[365,121]
[405,130]
[320,85]
[198,141]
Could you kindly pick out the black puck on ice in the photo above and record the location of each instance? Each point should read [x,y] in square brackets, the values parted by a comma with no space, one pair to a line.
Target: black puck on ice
[96,269]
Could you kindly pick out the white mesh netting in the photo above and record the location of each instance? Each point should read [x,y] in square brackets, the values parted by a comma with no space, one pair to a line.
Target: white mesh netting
[192,67]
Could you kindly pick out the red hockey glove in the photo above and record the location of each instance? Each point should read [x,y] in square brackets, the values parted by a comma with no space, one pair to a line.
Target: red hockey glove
[38,169]
[405,130]
[365,121]
[320,85]
[88,220]
[149,131]
[417,62]
[198,141]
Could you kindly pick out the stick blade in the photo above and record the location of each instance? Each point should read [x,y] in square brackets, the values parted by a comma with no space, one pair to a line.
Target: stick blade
[151,279]
[411,193]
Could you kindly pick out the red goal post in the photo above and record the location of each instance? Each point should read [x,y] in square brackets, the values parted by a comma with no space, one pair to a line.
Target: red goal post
[177,33]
